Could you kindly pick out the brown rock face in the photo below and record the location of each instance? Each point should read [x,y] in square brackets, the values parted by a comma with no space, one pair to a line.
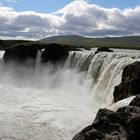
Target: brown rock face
[130,83]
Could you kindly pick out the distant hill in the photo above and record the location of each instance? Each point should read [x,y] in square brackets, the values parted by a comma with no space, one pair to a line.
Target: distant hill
[131,42]
[72,40]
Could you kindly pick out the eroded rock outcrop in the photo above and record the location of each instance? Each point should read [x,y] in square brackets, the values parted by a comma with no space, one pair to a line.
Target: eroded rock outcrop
[108,125]
[124,124]
[27,52]
[54,52]
[22,53]
[103,49]
[130,83]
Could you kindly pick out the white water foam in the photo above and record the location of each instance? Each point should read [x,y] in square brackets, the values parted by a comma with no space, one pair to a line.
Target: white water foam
[55,102]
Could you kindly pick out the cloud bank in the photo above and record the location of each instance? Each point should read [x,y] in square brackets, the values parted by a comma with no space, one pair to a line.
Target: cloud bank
[79,17]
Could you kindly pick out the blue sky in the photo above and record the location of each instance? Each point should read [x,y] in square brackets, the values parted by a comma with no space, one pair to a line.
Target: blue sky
[49,6]
[36,19]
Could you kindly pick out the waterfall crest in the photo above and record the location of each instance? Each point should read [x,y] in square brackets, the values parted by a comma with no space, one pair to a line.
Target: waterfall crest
[103,70]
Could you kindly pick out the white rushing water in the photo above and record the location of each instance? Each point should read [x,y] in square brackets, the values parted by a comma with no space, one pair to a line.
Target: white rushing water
[55,102]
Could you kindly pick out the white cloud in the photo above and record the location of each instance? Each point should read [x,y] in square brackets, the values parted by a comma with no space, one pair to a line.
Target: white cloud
[78,17]
[75,7]
[27,24]
[90,19]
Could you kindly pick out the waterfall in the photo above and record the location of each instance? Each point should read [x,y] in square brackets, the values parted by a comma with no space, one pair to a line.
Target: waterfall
[110,75]
[54,102]
[38,62]
[103,70]
[38,59]
[79,60]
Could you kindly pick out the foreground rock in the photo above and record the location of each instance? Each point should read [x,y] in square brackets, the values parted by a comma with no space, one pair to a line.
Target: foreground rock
[130,83]
[107,126]
[103,49]
[131,117]
[124,124]
[54,52]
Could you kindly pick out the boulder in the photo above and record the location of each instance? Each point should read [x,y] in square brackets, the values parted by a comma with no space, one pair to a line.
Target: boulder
[124,124]
[21,53]
[2,45]
[103,49]
[136,101]
[54,52]
[108,125]
[130,82]
[131,117]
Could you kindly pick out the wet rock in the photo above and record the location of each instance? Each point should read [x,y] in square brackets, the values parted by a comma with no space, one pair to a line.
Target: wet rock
[21,53]
[136,101]
[2,44]
[54,52]
[131,117]
[124,124]
[130,83]
[108,125]
[103,49]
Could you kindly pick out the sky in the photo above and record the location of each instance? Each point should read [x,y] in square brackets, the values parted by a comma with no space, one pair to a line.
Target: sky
[36,19]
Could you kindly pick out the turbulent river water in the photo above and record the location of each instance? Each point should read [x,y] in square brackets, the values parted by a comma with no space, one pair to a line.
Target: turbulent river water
[55,102]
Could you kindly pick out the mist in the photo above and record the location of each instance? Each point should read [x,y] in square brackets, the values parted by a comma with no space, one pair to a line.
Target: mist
[54,102]
[47,101]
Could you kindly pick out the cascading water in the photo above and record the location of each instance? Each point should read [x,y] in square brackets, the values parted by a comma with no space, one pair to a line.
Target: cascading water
[55,102]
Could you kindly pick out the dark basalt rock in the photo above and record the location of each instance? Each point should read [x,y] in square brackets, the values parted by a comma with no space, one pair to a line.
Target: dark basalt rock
[2,44]
[124,124]
[21,53]
[136,101]
[27,53]
[131,116]
[54,52]
[108,125]
[103,49]
[130,83]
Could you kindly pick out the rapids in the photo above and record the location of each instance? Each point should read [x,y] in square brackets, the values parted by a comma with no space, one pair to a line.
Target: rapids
[55,102]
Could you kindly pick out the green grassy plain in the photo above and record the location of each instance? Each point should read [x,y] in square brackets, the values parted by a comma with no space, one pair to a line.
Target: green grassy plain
[130,42]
